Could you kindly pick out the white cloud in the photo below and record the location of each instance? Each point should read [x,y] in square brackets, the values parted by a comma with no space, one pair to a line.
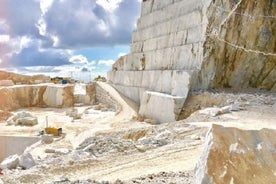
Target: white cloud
[109,5]
[109,62]
[41,69]
[55,41]
[91,23]
[4,27]
[103,27]
[45,5]
[25,41]
[78,59]
[17,44]
[4,38]
[121,54]
[42,34]
[41,25]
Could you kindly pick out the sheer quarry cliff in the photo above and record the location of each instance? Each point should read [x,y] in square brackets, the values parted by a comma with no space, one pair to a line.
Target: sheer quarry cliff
[182,46]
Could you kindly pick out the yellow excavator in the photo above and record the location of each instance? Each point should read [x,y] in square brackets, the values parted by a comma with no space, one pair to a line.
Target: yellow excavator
[51,130]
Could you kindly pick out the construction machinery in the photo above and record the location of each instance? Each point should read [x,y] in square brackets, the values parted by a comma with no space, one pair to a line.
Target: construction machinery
[51,130]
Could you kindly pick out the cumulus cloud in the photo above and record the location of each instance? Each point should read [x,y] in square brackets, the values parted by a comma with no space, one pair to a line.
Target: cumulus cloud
[109,62]
[27,52]
[109,5]
[4,38]
[91,23]
[22,16]
[78,59]
[46,32]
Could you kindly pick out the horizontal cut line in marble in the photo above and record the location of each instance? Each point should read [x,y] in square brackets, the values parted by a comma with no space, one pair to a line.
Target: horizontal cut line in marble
[182,19]
[171,47]
[174,3]
[160,21]
[166,33]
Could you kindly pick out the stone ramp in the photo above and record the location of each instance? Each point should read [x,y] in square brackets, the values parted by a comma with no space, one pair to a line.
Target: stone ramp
[169,89]
[128,108]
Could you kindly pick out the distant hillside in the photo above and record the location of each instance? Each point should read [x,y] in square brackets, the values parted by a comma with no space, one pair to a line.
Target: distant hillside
[23,79]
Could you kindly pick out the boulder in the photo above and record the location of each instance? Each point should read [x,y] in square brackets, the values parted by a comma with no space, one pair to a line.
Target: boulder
[27,121]
[22,118]
[49,150]
[211,111]
[233,156]
[10,162]
[47,139]
[152,102]
[26,161]
[215,111]
[97,107]
[62,151]
[150,121]
[73,113]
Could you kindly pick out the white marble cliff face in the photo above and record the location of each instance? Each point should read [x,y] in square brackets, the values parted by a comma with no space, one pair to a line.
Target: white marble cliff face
[53,96]
[166,50]
[192,37]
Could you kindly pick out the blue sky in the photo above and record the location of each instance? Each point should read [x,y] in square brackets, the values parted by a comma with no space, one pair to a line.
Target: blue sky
[58,36]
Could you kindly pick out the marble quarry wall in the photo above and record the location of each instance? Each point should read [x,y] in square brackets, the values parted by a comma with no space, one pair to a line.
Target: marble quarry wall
[85,93]
[53,95]
[183,45]
[42,95]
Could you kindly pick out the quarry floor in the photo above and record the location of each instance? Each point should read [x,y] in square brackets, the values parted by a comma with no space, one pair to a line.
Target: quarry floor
[105,146]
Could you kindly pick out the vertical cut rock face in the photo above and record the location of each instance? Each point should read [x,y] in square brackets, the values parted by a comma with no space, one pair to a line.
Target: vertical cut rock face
[14,97]
[240,51]
[59,96]
[233,156]
[183,45]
